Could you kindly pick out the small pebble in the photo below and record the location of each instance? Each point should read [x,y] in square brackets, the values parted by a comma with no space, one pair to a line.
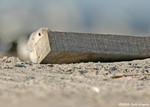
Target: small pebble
[20,65]
[95,89]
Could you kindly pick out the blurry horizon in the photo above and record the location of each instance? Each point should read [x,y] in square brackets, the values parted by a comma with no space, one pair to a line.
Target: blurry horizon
[128,17]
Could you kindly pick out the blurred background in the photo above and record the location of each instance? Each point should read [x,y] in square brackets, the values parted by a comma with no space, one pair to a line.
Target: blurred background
[19,18]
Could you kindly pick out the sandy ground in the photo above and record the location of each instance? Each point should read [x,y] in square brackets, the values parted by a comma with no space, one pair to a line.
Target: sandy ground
[24,84]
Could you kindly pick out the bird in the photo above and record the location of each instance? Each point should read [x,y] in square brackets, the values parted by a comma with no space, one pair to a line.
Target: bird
[22,49]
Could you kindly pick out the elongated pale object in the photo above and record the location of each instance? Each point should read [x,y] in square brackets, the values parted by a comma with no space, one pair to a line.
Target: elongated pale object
[68,47]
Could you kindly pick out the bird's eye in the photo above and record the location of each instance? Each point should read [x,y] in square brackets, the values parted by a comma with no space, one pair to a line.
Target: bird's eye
[39,34]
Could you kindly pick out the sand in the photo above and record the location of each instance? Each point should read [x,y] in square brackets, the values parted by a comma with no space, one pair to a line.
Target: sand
[123,84]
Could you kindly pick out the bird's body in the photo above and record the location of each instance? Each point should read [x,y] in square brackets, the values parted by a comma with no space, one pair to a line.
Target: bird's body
[22,49]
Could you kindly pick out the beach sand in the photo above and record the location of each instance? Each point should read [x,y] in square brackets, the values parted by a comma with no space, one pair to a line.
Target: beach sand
[123,84]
